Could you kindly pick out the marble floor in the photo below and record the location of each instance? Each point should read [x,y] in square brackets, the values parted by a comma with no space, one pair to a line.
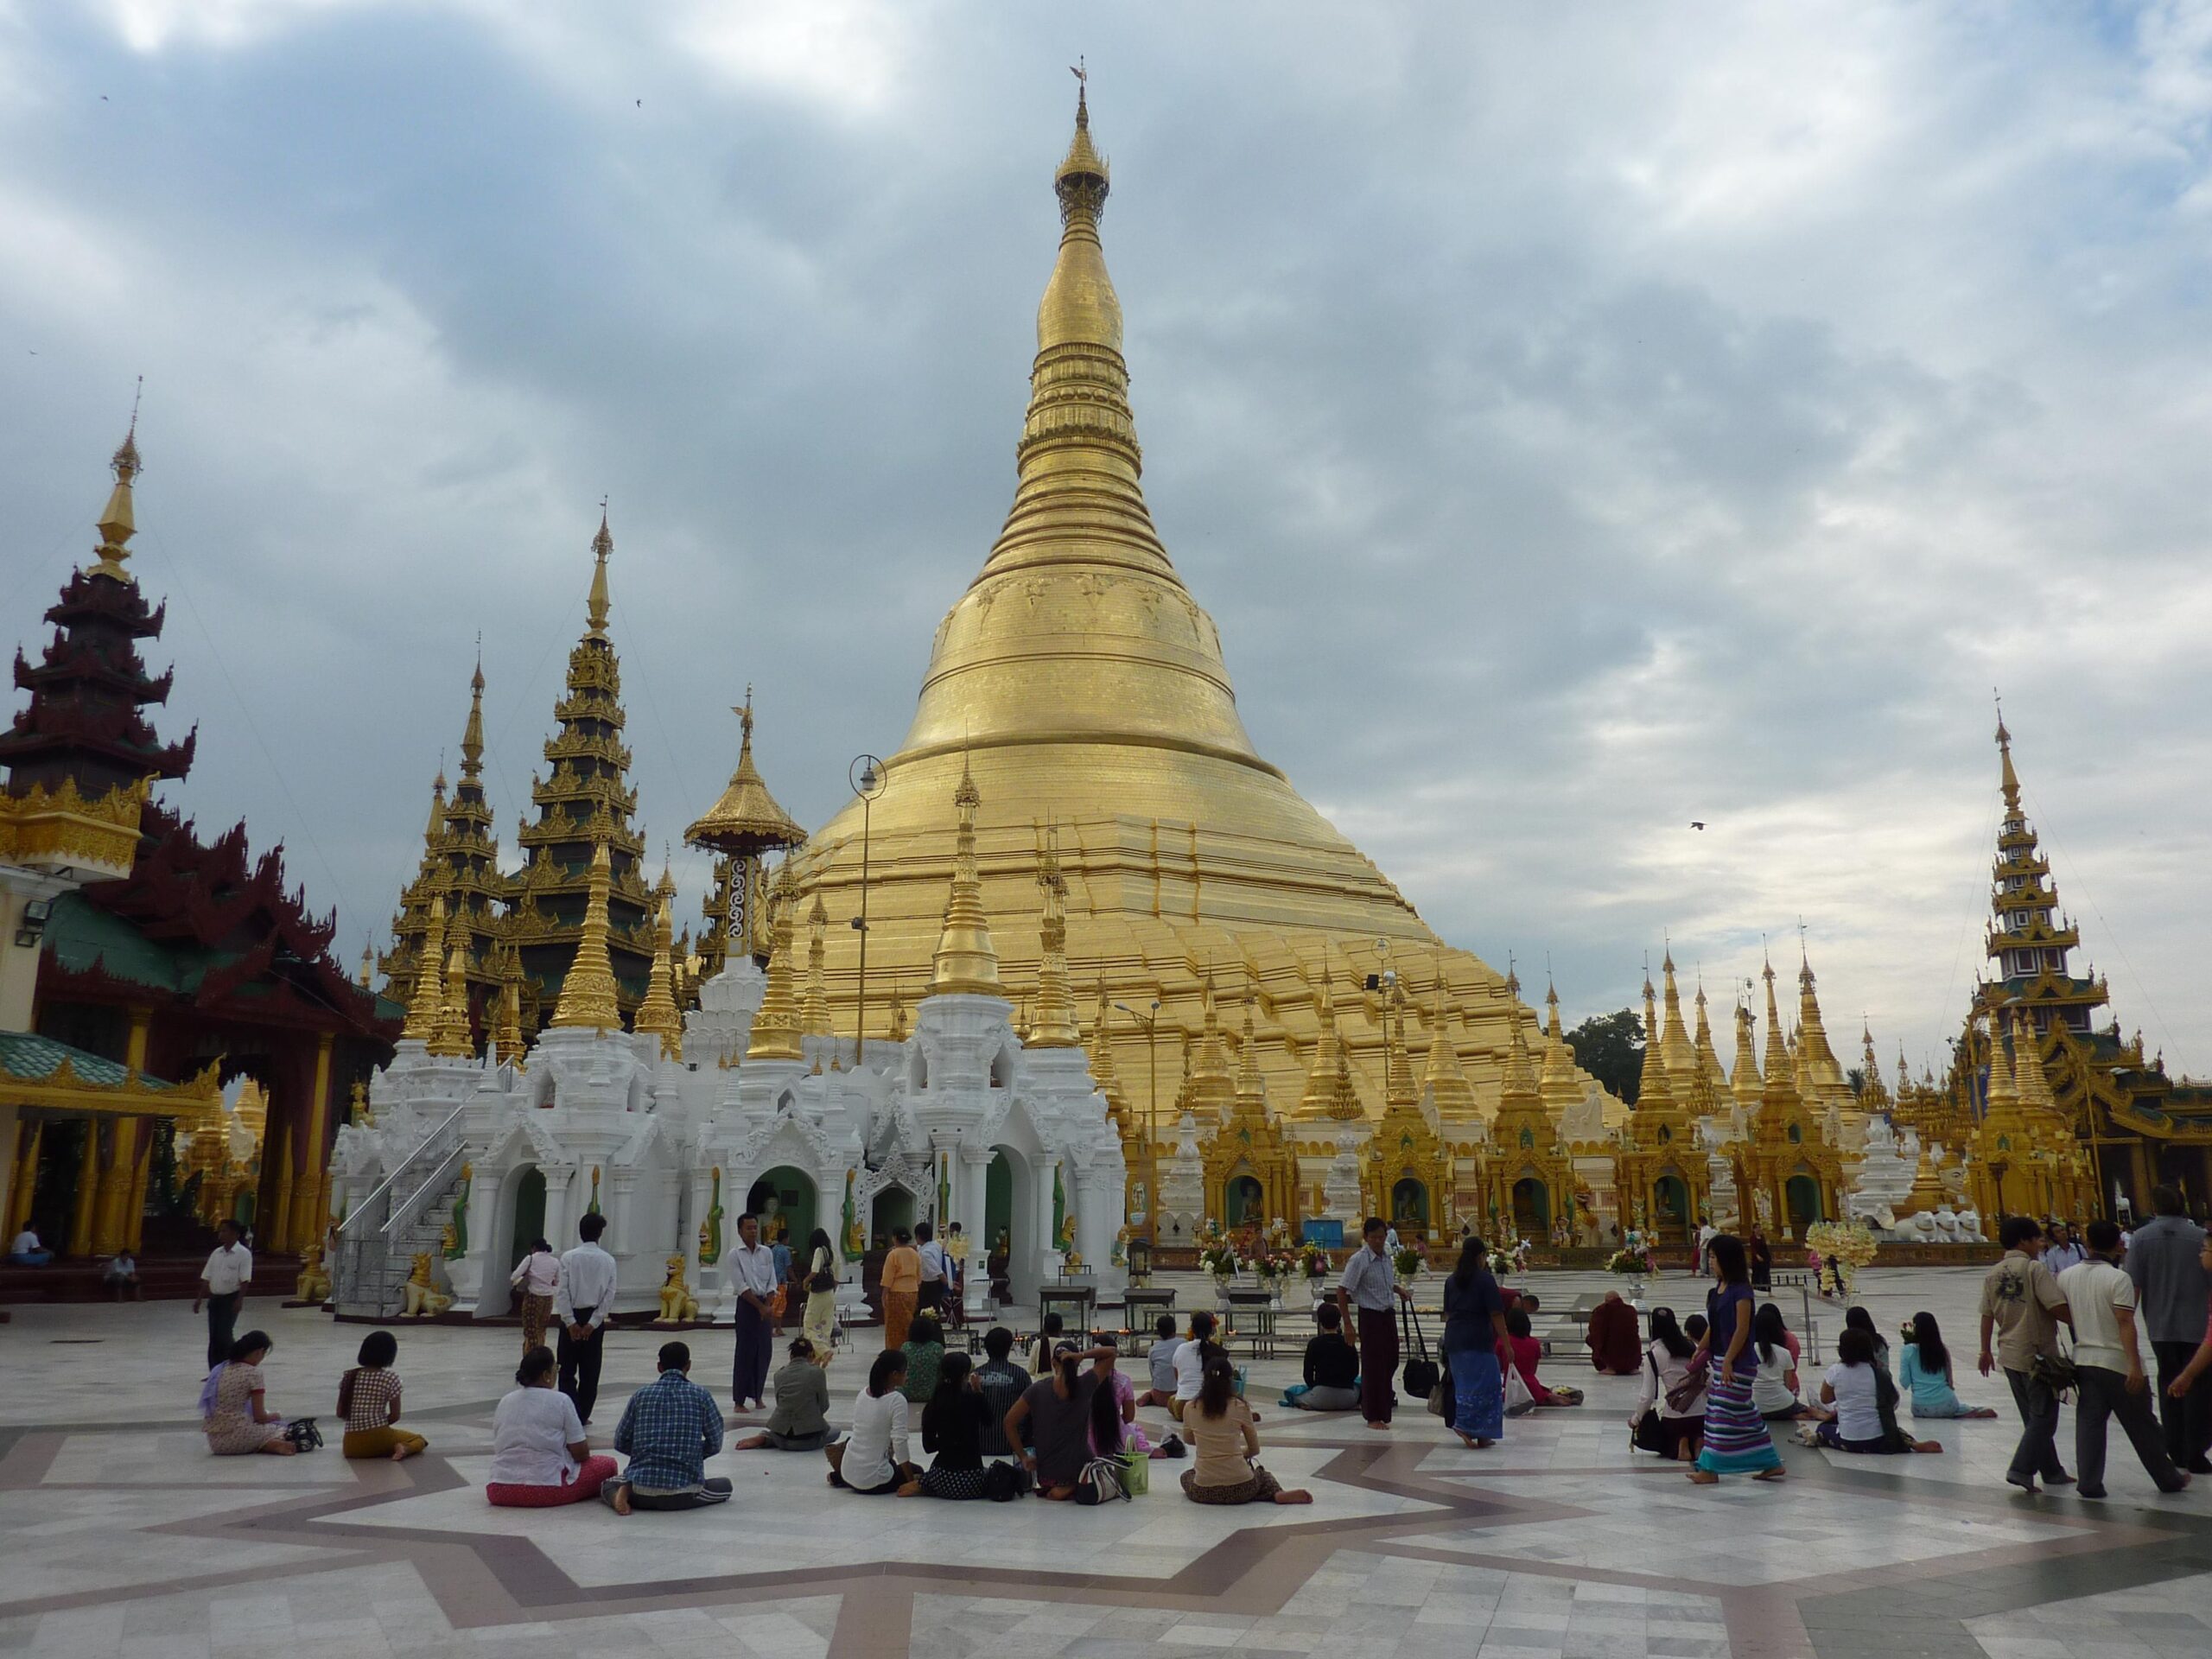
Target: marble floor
[119,1535]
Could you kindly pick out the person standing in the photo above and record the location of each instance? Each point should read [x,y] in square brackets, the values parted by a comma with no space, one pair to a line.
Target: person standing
[2108,1367]
[1368,1281]
[819,1320]
[535,1276]
[2022,1307]
[2170,1284]
[1736,1438]
[902,1287]
[583,1298]
[750,1271]
[1474,1326]
[931,1296]
[222,1287]
[2060,1252]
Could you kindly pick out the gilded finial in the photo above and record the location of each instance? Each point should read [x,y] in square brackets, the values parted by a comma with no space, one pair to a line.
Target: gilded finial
[1054,1026]
[775,1028]
[814,1006]
[424,1007]
[966,961]
[602,545]
[657,1014]
[454,1039]
[589,997]
[507,1044]
[117,522]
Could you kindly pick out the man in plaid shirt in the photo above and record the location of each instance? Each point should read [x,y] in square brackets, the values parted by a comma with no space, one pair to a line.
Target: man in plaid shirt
[668,1432]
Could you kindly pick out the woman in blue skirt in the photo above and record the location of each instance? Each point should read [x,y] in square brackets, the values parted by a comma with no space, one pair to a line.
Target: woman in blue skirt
[1474,1323]
[1736,1438]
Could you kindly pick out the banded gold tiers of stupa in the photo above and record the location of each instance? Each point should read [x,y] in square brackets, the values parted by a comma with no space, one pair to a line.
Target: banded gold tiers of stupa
[1082,687]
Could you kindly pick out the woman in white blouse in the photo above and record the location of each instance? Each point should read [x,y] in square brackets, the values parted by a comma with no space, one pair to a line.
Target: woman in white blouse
[872,1460]
[1667,1371]
[540,1458]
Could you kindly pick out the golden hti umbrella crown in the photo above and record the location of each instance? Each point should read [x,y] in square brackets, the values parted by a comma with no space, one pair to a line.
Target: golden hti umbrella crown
[1078,683]
[747,817]
[588,994]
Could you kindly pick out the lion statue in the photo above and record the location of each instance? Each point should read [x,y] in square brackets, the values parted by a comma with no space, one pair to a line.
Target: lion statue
[677,1304]
[314,1285]
[421,1291]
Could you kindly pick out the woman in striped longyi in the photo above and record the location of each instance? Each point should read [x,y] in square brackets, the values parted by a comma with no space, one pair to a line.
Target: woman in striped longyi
[1736,1438]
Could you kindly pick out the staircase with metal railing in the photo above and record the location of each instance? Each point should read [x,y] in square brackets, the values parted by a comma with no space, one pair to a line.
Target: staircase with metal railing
[380,1237]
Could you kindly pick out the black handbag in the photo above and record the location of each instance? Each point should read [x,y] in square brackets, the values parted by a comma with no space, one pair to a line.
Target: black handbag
[1643,1434]
[822,1278]
[303,1435]
[1421,1374]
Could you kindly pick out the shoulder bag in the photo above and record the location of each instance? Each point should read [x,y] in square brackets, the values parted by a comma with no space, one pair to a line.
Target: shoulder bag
[1420,1375]
[822,1278]
[1643,1435]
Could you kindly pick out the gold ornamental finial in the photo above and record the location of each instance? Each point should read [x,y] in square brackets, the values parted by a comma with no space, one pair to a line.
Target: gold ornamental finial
[2008,780]
[1559,1085]
[967,963]
[602,545]
[1100,1047]
[1251,1088]
[117,523]
[1653,1092]
[1398,1065]
[368,966]
[897,1032]
[775,1028]
[454,1039]
[1744,1079]
[428,1000]
[658,1013]
[507,1044]
[814,1006]
[472,735]
[588,999]
[1519,1087]
[1054,1024]
[1780,1082]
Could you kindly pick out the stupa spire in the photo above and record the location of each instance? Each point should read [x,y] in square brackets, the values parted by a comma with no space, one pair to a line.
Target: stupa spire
[1780,1088]
[454,1039]
[1676,1050]
[117,523]
[1445,1080]
[967,963]
[595,605]
[1744,1079]
[1653,1092]
[507,1044]
[1053,1026]
[424,1007]
[588,994]
[1251,1088]
[1519,1086]
[657,1014]
[1397,1063]
[775,1028]
[814,1005]
[1559,1085]
[1328,1092]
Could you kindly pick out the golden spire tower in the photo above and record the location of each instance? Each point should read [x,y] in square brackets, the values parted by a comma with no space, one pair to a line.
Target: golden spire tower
[588,989]
[584,805]
[814,1006]
[1562,1083]
[1823,1074]
[966,961]
[1328,1093]
[775,1028]
[1744,1079]
[428,1003]
[1053,1026]
[454,1039]
[658,1013]
[1708,1058]
[1444,1082]
[1079,683]
[460,860]
[507,1044]
[1675,1049]
[1213,1083]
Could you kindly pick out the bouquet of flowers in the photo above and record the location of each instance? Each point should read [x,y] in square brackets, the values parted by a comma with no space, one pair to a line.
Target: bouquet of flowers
[1634,1258]
[1835,1251]
[1220,1259]
[1500,1262]
[1408,1260]
[1313,1261]
[1271,1266]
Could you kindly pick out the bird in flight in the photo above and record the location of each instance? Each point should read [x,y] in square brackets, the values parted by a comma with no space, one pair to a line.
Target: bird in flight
[1697,823]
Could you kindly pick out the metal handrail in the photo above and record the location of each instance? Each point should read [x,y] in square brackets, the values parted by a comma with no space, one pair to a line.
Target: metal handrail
[383,1186]
[414,1204]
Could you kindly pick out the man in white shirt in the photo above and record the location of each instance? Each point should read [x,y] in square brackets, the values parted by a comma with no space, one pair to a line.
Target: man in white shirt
[2108,1368]
[932,1255]
[28,1252]
[750,1270]
[222,1287]
[1368,1279]
[582,1299]
[2062,1252]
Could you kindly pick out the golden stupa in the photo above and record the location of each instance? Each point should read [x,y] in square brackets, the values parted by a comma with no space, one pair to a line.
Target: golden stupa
[1083,689]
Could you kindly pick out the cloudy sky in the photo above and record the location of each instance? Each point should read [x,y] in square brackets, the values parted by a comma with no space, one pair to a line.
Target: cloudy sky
[1579,420]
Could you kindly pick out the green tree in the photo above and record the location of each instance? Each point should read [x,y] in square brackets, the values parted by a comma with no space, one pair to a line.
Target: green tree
[1609,1047]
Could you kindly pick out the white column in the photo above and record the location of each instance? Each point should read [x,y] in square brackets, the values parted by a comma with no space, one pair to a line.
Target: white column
[1047,1244]
[972,1173]
[486,1246]
[560,1228]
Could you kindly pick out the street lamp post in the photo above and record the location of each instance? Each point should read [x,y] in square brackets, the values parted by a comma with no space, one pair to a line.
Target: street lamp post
[1151,1024]
[867,777]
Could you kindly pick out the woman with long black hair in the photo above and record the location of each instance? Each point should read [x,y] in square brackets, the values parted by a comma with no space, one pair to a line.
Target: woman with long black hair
[1924,1372]
[1736,1440]
[819,1323]
[1225,1442]
[952,1427]
[872,1460]
[1670,1371]
[1474,1323]
[1058,1409]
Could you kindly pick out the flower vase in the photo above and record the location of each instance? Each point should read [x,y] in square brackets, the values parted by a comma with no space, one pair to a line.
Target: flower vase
[1635,1287]
[1222,1284]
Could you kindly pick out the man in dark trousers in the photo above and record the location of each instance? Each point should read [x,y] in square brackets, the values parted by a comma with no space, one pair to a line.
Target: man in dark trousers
[750,1270]
[2162,1260]
[1369,1280]
[582,1299]
[222,1286]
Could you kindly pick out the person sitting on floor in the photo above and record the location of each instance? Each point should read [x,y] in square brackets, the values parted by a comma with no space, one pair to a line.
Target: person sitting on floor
[540,1457]
[1225,1442]
[121,1279]
[368,1403]
[800,1422]
[1331,1367]
[1518,1350]
[1774,1384]
[668,1431]
[1190,1363]
[1004,1382]
[924,1352]
[28,1252]
[1614,1349]
[872,1460]
[234,1410]
[1053,1422]
[1161,1361]
[1669,1370]
[1924,1372]
[1048,1338]
[952,1427]
[1852,1390]
[1121,1396]
[1859,1320]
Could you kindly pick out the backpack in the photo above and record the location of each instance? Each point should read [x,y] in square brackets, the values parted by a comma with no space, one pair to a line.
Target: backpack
[1004,1482]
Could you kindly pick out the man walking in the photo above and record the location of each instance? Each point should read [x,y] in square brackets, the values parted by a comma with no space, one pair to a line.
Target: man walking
[931,1294]
[751,1269]
[2169,1282]
[1368,1279]
[2022,1305]
[2108,1367]
[222,1286]
[583,1298]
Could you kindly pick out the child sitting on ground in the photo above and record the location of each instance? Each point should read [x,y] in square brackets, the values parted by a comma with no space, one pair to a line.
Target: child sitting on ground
[368,1399]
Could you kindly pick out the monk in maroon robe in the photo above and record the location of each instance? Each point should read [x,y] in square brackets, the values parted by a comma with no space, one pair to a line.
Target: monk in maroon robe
[1616,1347]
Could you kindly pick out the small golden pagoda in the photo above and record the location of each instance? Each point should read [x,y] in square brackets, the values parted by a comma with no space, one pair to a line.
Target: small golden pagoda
[1659,1173]
[1408,1168]
[1530,1178]
[1793,1177]
[1251,1169]
[659,1013]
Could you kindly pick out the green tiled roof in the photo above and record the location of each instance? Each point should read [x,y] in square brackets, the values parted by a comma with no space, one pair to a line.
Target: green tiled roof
[28,1057]
[80,935]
